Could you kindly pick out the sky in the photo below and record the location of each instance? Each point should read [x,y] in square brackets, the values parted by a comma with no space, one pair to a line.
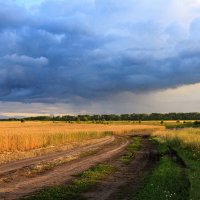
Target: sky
[99,56]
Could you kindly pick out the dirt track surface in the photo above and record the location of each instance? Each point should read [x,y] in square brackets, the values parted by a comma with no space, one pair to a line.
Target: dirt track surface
[23,186]
[125,182]
[16,165]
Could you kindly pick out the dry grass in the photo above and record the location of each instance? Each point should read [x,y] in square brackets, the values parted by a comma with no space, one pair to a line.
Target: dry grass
[188,137]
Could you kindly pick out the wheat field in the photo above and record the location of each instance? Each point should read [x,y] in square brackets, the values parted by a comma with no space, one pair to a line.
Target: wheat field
[24,140]
[16,136]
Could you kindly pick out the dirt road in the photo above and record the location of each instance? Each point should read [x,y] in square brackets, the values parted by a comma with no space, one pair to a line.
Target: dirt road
[16,165]
[21,185]
[118,185]
[126,181]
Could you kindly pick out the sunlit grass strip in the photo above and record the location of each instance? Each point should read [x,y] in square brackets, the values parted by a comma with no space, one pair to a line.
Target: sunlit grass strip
[84,182]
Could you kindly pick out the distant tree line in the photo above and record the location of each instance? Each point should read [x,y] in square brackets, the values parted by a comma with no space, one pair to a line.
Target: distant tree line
[115,117]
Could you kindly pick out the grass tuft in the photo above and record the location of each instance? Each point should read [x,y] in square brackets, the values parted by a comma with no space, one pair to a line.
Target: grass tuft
[131,150]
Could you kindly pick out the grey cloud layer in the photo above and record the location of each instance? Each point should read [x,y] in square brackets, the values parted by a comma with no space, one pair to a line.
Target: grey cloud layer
[68,51]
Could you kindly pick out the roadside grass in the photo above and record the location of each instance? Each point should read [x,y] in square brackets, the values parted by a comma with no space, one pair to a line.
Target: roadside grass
[192,160]
[186,138]
[186,142]
[84,181]
[167,181]
[131,150]
[160,145]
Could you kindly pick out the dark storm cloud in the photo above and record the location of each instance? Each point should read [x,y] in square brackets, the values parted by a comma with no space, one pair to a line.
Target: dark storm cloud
[64,51]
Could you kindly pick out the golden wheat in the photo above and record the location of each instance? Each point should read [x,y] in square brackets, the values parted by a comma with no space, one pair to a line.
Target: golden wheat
[16,136]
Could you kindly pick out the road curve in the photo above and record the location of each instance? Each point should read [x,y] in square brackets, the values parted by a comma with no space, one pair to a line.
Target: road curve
[16,165]
[59,175]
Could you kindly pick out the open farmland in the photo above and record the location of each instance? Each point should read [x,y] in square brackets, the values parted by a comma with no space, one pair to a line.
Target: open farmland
[20,140]
[99,100]
[98,161]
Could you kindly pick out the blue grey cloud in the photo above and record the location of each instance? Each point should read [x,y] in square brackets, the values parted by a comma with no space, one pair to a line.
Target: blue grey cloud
[63,51]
